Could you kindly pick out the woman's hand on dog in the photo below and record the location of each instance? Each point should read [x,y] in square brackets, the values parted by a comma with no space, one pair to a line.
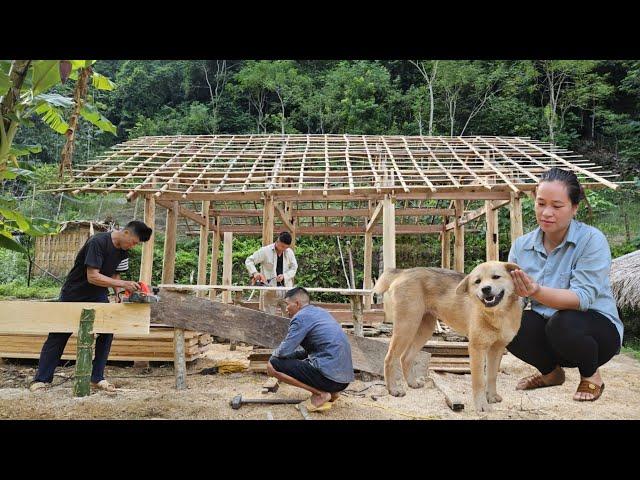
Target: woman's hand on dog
[524,285]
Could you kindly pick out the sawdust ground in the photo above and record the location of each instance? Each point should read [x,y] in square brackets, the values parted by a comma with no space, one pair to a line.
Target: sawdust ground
[153,396]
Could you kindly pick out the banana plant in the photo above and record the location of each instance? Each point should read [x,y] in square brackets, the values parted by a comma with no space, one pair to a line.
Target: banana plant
[25,93]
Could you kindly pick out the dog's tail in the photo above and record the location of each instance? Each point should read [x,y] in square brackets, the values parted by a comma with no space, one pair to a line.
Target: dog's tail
[385,280]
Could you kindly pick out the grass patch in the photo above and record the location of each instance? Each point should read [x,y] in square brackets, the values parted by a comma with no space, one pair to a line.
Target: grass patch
[632,347]
[37,290]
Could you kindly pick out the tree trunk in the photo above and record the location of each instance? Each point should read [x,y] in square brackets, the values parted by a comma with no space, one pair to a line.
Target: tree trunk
[79,94]
[81,384]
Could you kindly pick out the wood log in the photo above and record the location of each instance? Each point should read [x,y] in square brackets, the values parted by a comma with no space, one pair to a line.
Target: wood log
[81,384]
[254,327]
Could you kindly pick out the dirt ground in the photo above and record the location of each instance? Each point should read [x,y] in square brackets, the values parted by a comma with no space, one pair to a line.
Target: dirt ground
[151,395]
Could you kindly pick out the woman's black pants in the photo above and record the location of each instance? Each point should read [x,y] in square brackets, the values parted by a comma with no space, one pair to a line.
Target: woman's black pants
[569,338]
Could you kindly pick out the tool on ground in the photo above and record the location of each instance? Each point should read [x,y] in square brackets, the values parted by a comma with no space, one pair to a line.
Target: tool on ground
[143,295]
[304,412]
[237,401]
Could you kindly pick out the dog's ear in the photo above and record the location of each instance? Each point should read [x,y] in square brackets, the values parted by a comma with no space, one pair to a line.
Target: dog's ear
[511,266]
[463,286]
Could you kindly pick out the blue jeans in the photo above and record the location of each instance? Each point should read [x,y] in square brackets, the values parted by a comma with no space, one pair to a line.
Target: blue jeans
[54,347]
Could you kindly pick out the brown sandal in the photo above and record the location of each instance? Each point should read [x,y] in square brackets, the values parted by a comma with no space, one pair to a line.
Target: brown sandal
[534,381]
[585,386]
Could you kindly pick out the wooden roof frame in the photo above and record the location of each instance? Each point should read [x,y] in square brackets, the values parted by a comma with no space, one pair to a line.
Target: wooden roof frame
[327,167]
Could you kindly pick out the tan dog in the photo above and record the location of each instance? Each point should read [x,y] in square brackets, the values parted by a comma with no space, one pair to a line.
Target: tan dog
[483,306]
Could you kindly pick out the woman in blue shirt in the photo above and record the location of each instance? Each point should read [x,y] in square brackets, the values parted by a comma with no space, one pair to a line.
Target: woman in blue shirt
[565,264]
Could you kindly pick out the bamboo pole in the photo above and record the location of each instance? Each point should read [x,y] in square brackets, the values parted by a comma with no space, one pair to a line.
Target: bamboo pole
[267,232]
[458,233]
[84,356]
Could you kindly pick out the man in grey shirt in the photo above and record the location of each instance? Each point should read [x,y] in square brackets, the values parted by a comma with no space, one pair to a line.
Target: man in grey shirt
[315,355]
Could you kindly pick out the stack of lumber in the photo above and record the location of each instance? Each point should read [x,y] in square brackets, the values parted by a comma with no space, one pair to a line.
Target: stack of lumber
[258,360]
[157,346]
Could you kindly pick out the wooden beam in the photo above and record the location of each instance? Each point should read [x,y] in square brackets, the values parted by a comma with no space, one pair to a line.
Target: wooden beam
[458,232]
[515,214]
[146,262]
[183,211]
[215,248]
[389,233]
[256,327]
[478,212]
[408,229]
[492,232]
[44,317]
[374,217]
[283,217]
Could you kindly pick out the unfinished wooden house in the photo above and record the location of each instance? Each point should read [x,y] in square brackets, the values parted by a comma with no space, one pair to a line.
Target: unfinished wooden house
[368,185]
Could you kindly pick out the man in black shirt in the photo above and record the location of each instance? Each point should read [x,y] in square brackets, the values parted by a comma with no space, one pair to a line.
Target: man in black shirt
[97,266]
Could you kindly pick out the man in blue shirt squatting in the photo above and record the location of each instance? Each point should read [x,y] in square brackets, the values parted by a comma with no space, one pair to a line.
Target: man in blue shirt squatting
[315,355]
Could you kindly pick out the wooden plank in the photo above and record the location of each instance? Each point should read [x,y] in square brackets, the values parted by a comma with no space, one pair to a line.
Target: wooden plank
[238,288]
[453,399]
[45,317]
[254,327]
[445,248]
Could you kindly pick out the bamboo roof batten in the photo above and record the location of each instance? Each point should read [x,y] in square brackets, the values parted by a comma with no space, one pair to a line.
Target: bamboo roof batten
[331,167]
[276,167]
[575,167]
[166,186]
[395,165]
[490,165]
[442,167]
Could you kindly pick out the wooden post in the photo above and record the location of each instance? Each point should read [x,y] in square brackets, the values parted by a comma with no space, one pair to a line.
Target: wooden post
[445,246]
[84,355]
[491,216]
[288,208]
[169,256]
[368,256]
[515,211]
[267,219]
[356,309]
[267,233]
[168,276]
[389,233]
[146,262]
[458,233]
[203,248]
[215,248]
[227,270]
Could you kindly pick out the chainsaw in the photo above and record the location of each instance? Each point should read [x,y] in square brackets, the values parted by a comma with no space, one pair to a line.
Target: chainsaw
[141,296]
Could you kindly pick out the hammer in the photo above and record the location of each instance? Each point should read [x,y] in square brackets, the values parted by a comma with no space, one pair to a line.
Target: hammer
[237,401]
